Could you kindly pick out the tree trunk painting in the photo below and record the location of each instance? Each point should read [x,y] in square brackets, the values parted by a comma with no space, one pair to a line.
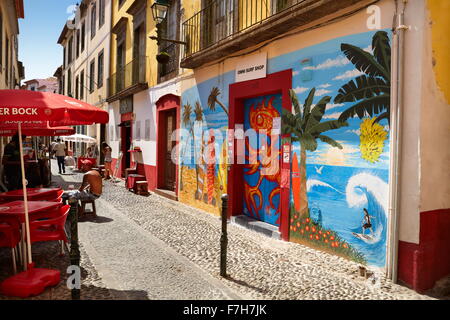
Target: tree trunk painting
[303,189]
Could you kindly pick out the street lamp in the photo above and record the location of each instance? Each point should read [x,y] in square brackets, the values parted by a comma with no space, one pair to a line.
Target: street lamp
[159,12]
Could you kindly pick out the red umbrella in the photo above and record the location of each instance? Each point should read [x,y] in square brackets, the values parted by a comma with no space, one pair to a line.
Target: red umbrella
[33,109]
[45,132]
[38,110]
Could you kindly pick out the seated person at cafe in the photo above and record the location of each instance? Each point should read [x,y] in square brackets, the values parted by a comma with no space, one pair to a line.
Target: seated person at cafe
[11,163]
[90,189]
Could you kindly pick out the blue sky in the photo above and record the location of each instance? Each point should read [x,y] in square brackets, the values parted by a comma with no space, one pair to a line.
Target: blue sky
[39,32]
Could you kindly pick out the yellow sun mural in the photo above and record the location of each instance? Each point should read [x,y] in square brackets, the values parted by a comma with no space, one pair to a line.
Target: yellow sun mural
[372,140]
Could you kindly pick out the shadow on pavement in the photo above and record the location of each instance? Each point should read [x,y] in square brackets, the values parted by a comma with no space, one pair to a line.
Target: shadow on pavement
[46,255]
[98,219]
[245,284]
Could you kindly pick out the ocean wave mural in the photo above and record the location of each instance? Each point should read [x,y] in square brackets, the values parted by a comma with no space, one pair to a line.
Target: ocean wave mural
[339,128]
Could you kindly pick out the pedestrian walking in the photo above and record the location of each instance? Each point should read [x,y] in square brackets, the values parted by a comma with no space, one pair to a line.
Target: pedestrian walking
[60,152]
[106,149]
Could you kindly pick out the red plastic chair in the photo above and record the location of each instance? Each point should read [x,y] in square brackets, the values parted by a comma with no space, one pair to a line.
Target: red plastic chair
[50,229]
[10,238]
[50,214]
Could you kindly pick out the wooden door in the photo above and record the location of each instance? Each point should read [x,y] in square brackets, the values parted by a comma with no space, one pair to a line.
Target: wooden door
[170,169]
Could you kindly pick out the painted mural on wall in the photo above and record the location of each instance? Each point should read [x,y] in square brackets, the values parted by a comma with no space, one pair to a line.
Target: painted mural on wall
[339,129]
[339,182]
[203,169]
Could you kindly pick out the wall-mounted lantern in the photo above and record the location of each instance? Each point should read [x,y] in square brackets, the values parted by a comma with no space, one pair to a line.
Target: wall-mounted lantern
[159,12]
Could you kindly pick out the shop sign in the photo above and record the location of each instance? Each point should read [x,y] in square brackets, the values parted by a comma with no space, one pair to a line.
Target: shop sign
[252,67]
[126,105]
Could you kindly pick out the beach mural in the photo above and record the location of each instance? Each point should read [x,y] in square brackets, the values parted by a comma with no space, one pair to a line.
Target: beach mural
[203,169]
[339,128]
[339,132]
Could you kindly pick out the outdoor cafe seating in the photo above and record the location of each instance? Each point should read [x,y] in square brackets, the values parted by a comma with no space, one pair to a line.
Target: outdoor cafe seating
[47,216]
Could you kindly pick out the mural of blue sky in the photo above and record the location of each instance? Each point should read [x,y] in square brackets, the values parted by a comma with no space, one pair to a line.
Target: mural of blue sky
[326,68]
[321,66]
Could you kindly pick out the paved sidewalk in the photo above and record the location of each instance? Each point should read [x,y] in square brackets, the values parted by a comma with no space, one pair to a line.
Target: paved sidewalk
[259,267]
[136,264]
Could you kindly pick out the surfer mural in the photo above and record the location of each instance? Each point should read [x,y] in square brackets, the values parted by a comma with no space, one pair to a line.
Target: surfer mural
[339,182]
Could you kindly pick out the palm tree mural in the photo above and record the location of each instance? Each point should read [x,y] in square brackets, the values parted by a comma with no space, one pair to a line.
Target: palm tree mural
[370,91]
[186,119]
[212,100]
[305,127]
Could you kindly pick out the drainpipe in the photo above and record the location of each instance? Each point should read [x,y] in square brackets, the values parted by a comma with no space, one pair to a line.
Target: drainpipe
[395,147]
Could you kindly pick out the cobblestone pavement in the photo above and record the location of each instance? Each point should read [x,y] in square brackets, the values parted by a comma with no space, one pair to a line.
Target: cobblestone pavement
[46,255]
[259,267]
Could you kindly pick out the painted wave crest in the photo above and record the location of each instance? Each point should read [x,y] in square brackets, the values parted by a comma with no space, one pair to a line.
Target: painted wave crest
[311,183]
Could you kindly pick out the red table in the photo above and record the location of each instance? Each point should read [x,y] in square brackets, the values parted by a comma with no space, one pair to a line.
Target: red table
[133,178]
[17,208]
[33,194]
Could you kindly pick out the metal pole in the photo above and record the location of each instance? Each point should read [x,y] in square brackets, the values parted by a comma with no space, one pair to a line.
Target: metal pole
[74,246]
[224,237]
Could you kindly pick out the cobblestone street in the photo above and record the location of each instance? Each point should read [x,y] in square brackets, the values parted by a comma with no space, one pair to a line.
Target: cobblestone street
[155,248]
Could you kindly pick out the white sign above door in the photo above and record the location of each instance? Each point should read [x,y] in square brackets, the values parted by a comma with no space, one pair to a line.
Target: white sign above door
[252,67]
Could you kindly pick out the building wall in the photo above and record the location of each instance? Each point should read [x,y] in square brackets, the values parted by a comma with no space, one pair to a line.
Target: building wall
[10,32]
[336,176]
[426,258]
[93,46]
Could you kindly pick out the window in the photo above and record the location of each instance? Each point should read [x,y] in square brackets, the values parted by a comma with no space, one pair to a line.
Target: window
[93,20]
[100,70]
[78,42]
[70,50]
[92,76]
[147,129]
[83,35]
[7,59]
[69,83]
[77,87]
[82,85]
[137,129]
[1,40]
[101,13]
[64,58]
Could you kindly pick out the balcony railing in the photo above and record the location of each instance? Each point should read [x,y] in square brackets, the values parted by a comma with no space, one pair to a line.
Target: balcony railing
[225,18]
[172,65]
[133,73]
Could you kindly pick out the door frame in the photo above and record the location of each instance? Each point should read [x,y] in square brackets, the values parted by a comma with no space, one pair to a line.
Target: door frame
[166,103]
[279,82]
[124,137]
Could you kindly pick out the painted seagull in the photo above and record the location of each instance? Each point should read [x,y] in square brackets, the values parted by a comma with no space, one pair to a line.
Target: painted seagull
[319,170]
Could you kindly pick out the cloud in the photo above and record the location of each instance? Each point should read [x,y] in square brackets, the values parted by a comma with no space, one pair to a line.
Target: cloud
[348,74]
[326,85]
[334,115]
[321,92]
[300,90]
[357,132]
[333,105]
[330,63]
